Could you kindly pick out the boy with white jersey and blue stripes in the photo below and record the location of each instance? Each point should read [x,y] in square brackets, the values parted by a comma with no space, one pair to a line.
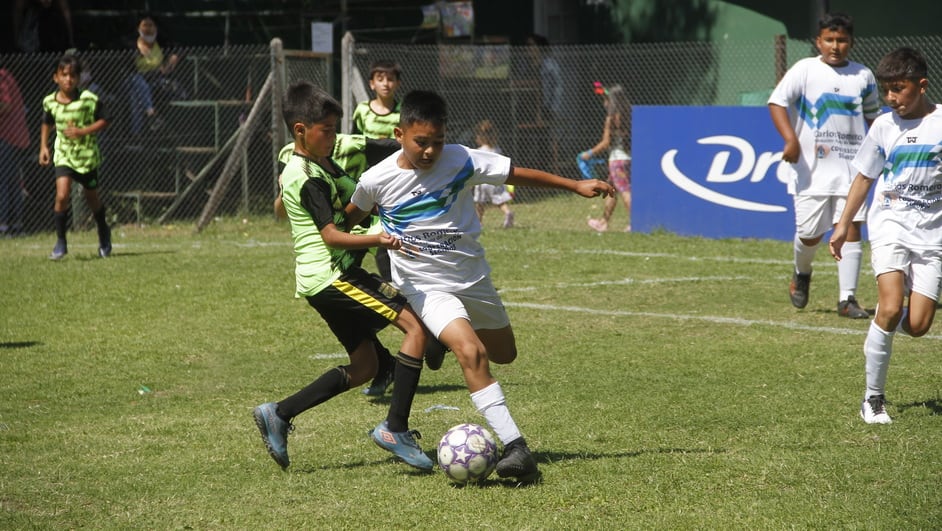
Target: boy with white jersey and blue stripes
[901,153]
[822,107]
[424,195]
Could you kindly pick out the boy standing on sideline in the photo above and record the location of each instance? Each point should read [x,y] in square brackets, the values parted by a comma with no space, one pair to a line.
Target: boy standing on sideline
[379,117]
[424,197]
[354,303]
[901,152]
[822,108]
[76,117]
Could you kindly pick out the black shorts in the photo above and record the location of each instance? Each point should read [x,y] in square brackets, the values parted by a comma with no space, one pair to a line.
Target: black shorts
[88,180]
[357,306]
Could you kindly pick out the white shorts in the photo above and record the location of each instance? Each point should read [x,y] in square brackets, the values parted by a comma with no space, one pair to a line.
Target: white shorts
[491,193]
[923,268]
[479,304]
[817,214]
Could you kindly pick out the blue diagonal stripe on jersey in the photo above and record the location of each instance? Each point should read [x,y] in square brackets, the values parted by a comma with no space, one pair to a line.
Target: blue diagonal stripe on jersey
[425,206]
[912,156]
[816,113]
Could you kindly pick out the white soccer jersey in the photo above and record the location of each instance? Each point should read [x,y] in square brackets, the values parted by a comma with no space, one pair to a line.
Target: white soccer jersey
[827,107]
[432,212]
[907,201]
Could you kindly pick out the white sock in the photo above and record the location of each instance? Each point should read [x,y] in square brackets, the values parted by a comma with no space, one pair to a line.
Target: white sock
[877,351]
[848,269]
[804,255]
[490,403]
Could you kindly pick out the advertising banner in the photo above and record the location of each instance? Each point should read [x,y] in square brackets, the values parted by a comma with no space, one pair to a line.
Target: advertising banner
[708,171]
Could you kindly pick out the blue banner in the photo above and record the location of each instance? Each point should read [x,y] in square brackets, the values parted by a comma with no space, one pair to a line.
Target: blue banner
[708,171]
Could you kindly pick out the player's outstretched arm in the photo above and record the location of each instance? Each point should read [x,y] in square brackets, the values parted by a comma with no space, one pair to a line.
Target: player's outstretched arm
[338,239]
[538,178]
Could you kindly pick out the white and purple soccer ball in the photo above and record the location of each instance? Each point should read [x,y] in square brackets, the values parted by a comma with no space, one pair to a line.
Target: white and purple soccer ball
[467,453]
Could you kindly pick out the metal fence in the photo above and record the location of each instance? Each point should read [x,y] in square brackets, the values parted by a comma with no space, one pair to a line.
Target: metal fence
[197,158]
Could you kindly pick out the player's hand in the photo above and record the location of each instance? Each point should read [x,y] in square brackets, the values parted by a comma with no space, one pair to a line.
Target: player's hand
[838,237]
[594,188]
[388,241]
[44,156]
[791,151]
[71,131]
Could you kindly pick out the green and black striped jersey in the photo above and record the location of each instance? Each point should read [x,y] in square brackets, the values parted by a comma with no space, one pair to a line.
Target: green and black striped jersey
[81,154]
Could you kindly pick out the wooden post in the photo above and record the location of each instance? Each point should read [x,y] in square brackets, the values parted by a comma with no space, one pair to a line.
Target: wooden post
[781,57]
[278,136]
[235,158]
[346,89]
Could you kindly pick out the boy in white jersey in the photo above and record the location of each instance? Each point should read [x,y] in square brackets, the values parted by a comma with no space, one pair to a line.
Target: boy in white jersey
[424,194]
[905,222]
[822,108]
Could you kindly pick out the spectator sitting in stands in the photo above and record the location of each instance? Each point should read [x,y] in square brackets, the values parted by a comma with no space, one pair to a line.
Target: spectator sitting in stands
[150,81]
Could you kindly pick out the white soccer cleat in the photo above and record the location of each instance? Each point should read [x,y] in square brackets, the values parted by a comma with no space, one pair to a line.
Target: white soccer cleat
[873,410]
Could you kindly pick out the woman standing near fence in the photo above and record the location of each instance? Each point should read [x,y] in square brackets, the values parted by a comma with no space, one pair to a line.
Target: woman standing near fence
[616,138]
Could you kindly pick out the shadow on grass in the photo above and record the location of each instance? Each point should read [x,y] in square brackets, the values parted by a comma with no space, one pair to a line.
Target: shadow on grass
[19,344]
[553,457]
[493,481]
[119,254]
[870,311]
[933,404]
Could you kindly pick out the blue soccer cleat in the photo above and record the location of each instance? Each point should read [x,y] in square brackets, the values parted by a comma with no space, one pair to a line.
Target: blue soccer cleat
[274,432]
[403,445]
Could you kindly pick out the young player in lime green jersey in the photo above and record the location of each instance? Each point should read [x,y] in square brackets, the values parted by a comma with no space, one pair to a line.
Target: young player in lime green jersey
[355,153]
[354,303]
[379,117]
[75,116]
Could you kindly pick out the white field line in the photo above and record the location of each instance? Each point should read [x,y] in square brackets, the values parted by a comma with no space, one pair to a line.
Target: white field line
[737,321]
[624,281]
[689,258]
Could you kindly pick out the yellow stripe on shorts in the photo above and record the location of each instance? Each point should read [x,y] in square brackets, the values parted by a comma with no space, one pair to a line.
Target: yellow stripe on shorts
[366,299]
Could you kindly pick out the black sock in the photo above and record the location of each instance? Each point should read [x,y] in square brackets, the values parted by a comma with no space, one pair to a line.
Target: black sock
[61,221]
[386,361]
[405,382]
[329,385]
[104,232]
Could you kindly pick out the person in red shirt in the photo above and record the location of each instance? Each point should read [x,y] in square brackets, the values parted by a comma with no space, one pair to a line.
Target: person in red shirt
[14,139]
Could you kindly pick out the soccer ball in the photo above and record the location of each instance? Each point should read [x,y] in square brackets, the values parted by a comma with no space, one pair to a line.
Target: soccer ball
[467,453]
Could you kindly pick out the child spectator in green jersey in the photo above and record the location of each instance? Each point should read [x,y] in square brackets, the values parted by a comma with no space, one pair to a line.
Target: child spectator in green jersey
[379,117]
[76,117]
[354,303]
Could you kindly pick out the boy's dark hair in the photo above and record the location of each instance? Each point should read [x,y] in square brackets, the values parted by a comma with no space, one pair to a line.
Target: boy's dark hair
[384,66]
[70,59]
[836,22]
[902,63]
[423,106]
[304,103]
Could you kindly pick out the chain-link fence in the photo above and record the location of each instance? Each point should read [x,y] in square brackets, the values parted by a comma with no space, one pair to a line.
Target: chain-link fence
[188,162]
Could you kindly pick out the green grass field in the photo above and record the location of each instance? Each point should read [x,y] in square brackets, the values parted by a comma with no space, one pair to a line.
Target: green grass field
[663,383]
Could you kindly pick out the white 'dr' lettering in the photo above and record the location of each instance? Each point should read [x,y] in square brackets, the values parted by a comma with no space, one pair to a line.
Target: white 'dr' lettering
[718,173]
